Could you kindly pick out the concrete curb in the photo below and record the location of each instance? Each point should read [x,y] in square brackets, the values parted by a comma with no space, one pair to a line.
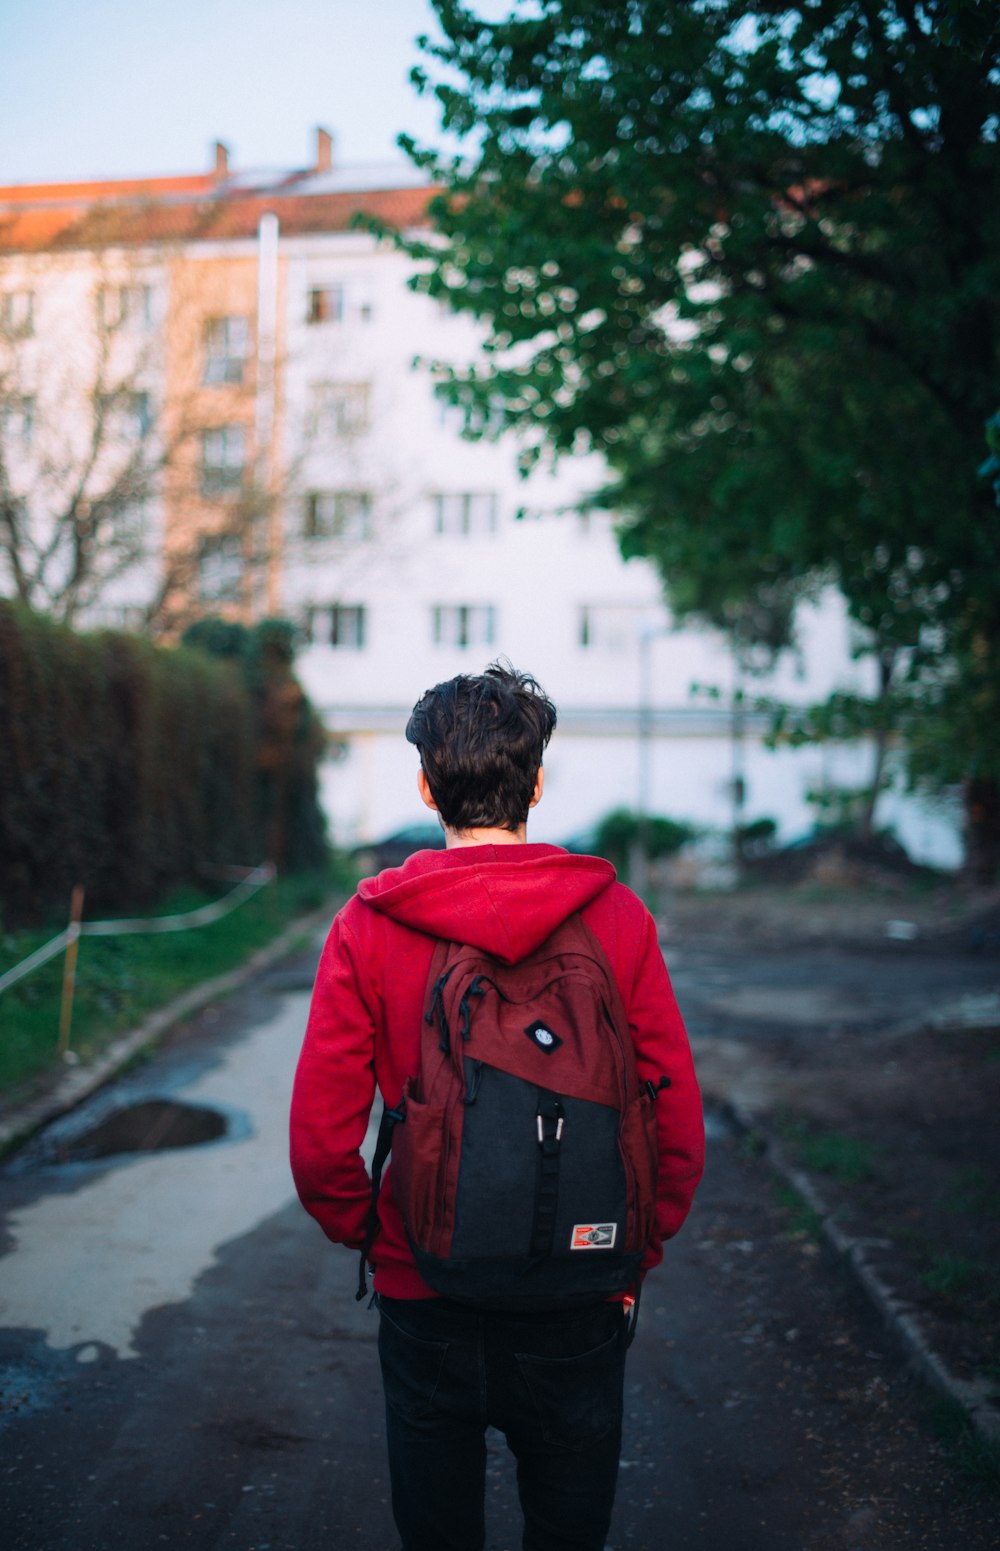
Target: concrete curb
[899,1316]
[77,1083]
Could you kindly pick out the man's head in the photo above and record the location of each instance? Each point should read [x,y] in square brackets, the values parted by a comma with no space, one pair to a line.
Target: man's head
[481,740]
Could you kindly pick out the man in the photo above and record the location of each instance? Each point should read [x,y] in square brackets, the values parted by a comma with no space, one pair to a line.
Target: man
[551,1381]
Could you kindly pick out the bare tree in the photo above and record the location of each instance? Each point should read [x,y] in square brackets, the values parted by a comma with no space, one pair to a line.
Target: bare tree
[81,444]
[91,447]
[140,477]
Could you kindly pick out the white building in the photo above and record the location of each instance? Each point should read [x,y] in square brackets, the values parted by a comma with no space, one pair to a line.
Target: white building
[408,554]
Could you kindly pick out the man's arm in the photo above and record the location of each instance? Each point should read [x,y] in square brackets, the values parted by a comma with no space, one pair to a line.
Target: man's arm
[663,1050]
[333,1093]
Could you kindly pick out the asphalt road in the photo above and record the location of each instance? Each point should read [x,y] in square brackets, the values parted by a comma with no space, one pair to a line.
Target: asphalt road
[739,990]
[182,1362]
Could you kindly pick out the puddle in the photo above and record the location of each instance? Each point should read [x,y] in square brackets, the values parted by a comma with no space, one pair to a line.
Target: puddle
[24,1388]
[104,1129]
[150,1125]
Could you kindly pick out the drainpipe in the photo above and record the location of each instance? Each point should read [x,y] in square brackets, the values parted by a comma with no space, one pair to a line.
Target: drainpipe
[266,415]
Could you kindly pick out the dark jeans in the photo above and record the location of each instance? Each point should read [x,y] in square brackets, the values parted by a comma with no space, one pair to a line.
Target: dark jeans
[551,1383]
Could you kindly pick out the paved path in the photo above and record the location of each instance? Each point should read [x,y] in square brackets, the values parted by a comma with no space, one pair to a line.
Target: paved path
[182,1362]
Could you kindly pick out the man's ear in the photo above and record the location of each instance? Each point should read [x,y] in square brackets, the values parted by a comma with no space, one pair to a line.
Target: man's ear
[424,788]
[539,784]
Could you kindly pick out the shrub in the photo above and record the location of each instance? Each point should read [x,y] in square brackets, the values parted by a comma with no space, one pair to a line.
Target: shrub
[129,768]
[757,838]
[620,829]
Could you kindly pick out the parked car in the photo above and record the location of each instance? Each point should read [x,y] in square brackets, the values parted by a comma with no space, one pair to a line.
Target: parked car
[392,850]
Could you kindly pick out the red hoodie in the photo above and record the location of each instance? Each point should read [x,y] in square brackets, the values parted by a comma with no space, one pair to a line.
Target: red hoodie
[364,1022]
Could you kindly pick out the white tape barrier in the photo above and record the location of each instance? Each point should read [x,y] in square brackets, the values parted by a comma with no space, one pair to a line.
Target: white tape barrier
[203,916]
[35,960]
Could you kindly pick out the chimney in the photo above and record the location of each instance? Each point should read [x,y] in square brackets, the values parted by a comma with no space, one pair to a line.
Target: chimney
[324,150]
[221,171]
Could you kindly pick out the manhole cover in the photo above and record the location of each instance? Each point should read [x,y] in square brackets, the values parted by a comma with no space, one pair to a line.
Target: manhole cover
[147,1126]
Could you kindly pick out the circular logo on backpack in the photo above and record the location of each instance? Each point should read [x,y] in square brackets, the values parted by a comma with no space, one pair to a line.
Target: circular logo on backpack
[543,1037]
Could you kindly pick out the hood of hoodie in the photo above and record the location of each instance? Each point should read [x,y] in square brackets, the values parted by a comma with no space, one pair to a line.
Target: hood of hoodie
[504,899]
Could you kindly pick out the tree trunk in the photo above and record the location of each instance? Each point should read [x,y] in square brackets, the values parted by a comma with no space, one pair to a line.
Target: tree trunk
[982,829]
[883,729]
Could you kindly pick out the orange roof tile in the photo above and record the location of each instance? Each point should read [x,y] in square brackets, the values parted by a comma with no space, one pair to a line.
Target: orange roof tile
[59,216]
[86,193]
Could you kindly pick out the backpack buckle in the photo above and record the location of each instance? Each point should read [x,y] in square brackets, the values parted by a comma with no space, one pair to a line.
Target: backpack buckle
[550,1120]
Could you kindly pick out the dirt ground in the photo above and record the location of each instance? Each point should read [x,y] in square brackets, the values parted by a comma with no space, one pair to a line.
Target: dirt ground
[897,1125]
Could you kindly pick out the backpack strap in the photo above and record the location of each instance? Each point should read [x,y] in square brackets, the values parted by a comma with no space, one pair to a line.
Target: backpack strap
[388,1123]
[391,1118]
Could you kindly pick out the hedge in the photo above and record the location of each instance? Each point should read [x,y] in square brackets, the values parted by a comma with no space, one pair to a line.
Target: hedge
[126,767]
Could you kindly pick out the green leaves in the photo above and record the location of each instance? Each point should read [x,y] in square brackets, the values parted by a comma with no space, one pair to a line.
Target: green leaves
[752,254]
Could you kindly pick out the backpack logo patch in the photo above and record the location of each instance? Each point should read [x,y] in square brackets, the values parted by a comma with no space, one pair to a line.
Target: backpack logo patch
[594,1235]
[542,1037]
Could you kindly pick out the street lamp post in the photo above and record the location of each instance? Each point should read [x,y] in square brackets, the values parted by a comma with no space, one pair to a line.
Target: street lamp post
[738,784]
[638,861]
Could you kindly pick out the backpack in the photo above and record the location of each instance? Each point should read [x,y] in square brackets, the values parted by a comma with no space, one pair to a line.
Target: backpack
[524,1156]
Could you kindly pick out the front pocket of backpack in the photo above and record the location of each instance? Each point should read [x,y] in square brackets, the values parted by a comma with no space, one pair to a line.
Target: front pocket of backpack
[420,1149]
[640,1149]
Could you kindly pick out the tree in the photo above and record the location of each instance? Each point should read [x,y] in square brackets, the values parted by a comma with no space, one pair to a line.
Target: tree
[95,436]
[750,253]
[289,736]
[80,445]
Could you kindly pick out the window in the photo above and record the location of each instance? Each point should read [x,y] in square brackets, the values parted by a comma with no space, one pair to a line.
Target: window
[17,421]
[325,304]
[139,415]
[609,627]
[117,616]
[125,306]
[341,408]
[464,624]
[337,624]
[338,514]
[223,459]
[128,416]
[465,512]
[450,417]
[17,314]
[129,526]
[220,568]
[227,347]
[336,304]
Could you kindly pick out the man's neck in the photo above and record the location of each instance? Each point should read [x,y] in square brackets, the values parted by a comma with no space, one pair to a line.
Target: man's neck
[484,837]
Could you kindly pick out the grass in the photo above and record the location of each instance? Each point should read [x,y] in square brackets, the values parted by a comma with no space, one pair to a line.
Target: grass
[975,1458]
[972,1191]
[958,1288]
[844,1158]
[119,980]
[802,1218]
[952,1275]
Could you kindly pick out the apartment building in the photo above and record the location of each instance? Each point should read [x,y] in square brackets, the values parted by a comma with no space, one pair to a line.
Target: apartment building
[234,377]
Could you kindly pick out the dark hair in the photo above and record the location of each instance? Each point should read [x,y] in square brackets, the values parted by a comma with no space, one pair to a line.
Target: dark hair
[481,740]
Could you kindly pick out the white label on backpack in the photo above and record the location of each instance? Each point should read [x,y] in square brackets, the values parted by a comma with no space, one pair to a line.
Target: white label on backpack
[594,1235]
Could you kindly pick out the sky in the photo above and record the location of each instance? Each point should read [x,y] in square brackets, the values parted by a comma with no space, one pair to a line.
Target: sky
[119,88]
